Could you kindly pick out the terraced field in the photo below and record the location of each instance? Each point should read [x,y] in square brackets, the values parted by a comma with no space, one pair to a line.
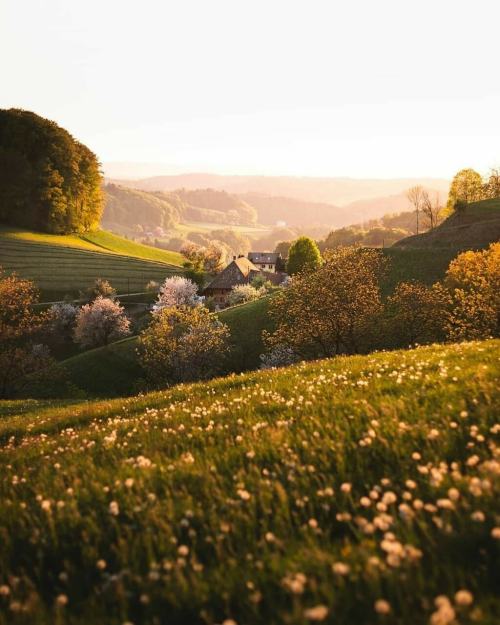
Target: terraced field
[59,269]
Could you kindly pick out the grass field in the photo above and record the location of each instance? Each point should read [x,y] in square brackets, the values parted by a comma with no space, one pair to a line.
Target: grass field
[114,370]
[62,265]
[473,227]
[425,265]
[355,491]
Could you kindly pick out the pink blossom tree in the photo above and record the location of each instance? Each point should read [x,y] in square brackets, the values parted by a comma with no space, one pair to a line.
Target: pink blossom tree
[100,322]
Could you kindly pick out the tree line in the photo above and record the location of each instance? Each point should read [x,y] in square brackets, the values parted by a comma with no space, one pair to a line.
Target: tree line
[48,180]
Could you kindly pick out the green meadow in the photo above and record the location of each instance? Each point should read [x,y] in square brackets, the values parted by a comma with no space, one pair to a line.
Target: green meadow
[352,491]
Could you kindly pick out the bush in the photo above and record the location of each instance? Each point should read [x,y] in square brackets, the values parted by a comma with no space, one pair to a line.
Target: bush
[100,323]
[183,344]
[279,356]
[100,288]
[244,293]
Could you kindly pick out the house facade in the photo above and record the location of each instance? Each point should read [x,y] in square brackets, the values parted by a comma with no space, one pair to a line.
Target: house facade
[267,261]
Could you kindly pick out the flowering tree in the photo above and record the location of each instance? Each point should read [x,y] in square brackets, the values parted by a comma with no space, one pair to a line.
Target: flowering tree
[100,322]
[62,319]
[183,344]
[244,293]
[177,291]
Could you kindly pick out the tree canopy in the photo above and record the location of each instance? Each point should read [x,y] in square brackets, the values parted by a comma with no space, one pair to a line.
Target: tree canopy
[48,180]
[304,255]
[466,187]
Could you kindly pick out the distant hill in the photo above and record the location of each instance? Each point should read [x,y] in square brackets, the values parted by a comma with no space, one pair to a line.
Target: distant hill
[475,226]
[336,191]
[274,209]
[128,207]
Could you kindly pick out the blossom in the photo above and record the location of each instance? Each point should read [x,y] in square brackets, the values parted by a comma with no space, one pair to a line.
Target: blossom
[382,606]
[317,613]
[463,597]
[114,508]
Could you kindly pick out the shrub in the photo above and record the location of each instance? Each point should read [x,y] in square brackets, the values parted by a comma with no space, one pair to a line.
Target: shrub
[177,291]
[183,344]
[278,356]
[244,293]
[100,288]
[100,322]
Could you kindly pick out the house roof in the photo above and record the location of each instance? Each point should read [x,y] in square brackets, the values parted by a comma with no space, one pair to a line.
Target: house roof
[264,257]
[240,271]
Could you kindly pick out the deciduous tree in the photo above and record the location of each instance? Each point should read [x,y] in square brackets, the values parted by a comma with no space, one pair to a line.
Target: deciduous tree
[183,344]
[332,310]
[100,322]
[466,187]
[304,255]
[177,291]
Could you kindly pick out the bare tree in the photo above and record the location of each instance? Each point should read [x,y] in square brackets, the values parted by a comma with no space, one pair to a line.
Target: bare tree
[415,196]
[431,208]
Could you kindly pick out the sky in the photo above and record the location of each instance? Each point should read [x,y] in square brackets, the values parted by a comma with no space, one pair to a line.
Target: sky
[358,88]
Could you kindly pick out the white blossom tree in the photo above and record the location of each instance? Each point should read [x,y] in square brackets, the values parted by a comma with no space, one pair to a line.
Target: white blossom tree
[100,322]
[177,291]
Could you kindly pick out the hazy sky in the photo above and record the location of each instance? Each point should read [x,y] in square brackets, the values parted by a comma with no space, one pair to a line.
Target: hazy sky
[378,88]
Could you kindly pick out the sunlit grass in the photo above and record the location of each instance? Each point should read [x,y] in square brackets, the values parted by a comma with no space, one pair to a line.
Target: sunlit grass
[353,491]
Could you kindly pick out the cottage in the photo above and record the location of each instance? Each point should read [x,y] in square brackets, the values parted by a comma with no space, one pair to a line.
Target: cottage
[240,271]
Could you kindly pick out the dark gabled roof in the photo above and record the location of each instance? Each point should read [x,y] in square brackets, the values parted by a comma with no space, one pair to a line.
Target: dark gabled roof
[264,257]
[240,271]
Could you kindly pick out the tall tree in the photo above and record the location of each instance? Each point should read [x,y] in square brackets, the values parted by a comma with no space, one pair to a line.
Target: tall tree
[304,255]
[466,187]
[431,209]
[415,196]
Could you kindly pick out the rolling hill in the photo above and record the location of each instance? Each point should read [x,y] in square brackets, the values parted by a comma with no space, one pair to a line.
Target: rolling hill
[64,264]
[357,490]
[473,227]
[337,191]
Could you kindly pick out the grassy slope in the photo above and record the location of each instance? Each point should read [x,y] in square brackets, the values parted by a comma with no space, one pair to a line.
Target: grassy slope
[114,370]
[62,265]
[114,243]
[474,227]
[229,496]
[425,265]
